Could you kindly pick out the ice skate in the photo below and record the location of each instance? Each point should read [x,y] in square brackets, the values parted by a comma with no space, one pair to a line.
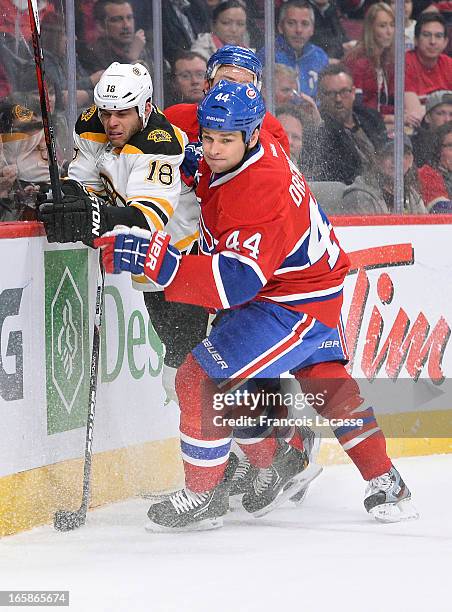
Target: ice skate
[388,499]
[186,510]
[289,473]
[311,442]
[242,480]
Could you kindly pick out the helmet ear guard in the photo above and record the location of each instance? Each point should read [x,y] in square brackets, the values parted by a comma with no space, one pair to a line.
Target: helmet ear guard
[232,107]
[232,55]
[124,86]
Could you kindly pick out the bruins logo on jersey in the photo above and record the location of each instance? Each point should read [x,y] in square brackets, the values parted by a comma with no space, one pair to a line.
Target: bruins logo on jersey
[160,136]
[22,114]
[86,115]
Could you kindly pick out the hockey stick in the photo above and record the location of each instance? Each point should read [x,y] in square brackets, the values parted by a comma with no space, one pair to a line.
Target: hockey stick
[67,520]
[44,100]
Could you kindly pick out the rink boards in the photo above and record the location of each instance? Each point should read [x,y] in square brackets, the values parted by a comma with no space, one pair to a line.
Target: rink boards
[397,316]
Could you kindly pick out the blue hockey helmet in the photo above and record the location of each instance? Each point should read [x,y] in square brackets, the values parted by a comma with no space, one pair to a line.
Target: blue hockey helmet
[232,107]
[231,55]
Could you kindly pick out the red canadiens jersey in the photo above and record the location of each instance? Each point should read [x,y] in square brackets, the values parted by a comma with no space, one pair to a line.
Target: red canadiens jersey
[185,117]
[267,240]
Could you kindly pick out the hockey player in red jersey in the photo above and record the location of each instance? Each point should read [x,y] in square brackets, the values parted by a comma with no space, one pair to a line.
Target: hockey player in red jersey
[230,63]
[235,64]
[271,260]
[182,326]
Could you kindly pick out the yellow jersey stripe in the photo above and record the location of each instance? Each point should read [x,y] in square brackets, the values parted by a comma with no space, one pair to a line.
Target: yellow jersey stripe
[11,137]
[94,136]
[155,219]
[179,137]
[140,279]
[131,150]
[187,241]
[164,204]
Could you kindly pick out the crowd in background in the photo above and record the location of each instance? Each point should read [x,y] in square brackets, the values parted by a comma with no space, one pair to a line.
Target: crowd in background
[333,87]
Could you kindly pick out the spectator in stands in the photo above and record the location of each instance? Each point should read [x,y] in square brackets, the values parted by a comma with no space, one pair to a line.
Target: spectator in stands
[15,20]
[293,46]
[371,62]
[187,79]
[344,146]
[229,21]
[328,32]
[291,119]
[284,84]
[119,42]
[436,178]
[427,68]
[8,172]
[285,88]
[53,34]
[438,107]
[373,192]
[409,23]
[23,160]
[26,95]
[182,21]
[15,37]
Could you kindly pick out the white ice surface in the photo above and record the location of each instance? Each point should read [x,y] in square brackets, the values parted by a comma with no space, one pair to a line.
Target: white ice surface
[326,556]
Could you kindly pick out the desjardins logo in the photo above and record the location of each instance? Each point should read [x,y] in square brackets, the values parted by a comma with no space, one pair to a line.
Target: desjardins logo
[67,338]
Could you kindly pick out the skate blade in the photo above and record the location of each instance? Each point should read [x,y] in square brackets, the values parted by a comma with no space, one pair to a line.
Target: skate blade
[404,510]
[205,525]
[298,482]
[299,497]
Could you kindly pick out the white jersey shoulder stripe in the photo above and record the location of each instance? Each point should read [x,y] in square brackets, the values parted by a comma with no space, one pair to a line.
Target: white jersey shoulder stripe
[304,296]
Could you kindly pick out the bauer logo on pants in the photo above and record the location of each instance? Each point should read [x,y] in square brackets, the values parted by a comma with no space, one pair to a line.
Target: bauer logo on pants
[67,339]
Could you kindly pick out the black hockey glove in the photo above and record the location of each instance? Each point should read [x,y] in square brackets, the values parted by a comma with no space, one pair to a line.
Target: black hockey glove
[82,216]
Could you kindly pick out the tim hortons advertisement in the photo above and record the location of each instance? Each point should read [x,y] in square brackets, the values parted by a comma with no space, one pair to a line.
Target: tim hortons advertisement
[398,318]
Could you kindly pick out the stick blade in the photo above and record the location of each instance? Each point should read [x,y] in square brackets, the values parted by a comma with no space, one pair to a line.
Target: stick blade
[65,520]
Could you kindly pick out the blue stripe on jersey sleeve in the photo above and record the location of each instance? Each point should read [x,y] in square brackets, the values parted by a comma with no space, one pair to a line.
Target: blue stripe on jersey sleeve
[240,282]
[299,258]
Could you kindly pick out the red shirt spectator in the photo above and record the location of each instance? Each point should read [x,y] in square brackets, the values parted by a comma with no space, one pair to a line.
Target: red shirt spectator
[435,178]
[377,87]
[433,186]
[422,79]
[371,62]
[12,15]
[428,69]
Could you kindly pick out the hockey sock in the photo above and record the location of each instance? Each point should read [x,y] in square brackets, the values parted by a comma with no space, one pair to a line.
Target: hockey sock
[260,451]
[205,446]
[363,441]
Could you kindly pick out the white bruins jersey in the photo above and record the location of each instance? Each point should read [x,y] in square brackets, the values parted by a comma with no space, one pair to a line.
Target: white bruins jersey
[144,173]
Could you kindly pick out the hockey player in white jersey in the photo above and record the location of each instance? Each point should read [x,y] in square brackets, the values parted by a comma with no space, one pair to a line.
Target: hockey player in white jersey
[125,168]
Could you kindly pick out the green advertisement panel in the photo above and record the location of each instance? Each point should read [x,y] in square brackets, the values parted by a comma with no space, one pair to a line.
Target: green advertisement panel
[67,339]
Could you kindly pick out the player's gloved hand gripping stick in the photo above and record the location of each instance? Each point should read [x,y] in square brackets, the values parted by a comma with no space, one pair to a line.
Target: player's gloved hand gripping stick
[82,215]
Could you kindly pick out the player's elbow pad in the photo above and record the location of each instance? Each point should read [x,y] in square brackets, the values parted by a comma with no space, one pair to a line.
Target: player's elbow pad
[238,279]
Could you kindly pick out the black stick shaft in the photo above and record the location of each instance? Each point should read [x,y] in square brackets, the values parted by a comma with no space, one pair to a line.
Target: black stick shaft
[44,100]
[92,390]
